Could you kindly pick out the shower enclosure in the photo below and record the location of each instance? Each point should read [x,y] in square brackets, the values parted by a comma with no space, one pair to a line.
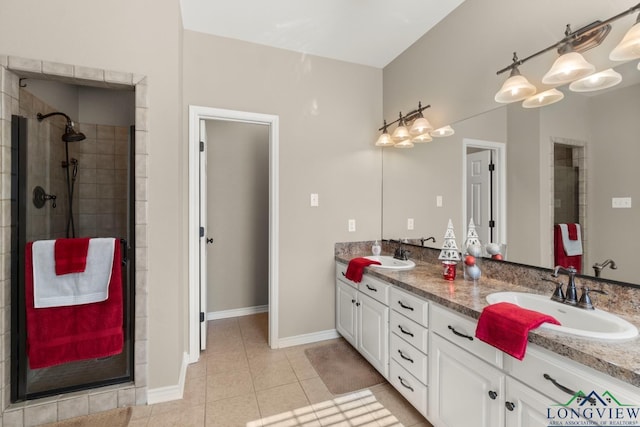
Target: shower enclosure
[68,180]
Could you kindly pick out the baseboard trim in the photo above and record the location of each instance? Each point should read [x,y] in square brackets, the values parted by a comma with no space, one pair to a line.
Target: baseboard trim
[172,392]
[308,338]
[237,312]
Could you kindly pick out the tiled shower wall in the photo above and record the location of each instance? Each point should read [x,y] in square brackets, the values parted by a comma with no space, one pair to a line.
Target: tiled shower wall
[65,406]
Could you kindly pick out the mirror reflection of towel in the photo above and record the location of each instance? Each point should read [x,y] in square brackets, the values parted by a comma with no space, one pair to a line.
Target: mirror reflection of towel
[572,247]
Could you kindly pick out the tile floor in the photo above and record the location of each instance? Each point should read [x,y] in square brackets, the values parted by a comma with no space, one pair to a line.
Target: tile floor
[240,381]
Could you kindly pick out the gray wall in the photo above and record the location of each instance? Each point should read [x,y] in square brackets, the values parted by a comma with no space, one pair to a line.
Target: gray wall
[237,215]
[329,112]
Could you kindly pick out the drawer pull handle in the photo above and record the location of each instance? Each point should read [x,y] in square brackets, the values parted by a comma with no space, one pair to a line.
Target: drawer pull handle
[353,301]
[372,289]
[493,394]
[510,405]
[405,357]
[357,304]
[405,332]
[565,389]
[470,338]
[405,306]
[403,384]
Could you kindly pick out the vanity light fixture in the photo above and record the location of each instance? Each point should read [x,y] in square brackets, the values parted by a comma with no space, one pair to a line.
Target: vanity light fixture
[516,87]
[629,47]
[385,139]
[602,80]
[413,128]
[541,99]
[401,133]
[571,65]
[443,131]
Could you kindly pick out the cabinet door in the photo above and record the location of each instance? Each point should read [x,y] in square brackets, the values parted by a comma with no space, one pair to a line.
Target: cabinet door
[525,407]
[463,390]
[346,318]
[373,333]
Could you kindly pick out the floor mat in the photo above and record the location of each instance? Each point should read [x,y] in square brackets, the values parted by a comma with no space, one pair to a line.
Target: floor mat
[342,368]
[114,418]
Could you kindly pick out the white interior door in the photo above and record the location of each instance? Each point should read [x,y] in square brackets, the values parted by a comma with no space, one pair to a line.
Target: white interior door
[203,235]
[479,193]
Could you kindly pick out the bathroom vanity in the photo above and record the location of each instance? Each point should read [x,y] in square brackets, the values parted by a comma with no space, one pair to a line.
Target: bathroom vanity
[418,330]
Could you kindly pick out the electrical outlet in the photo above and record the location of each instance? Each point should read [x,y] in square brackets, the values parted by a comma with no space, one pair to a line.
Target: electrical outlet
[314,200]
[438,201]
[621,202]
[409,223]
[352,225]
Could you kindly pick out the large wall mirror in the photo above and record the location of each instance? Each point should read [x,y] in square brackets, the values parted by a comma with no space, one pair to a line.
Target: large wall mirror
[565,162]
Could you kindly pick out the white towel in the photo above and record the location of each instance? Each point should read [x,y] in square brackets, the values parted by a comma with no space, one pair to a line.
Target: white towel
[571,247]
[92,285]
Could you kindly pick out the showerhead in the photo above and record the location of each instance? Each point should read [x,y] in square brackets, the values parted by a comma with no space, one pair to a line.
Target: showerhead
[70,134]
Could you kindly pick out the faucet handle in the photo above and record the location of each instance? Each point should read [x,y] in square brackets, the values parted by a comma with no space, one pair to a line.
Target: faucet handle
[558,294]
[585,299]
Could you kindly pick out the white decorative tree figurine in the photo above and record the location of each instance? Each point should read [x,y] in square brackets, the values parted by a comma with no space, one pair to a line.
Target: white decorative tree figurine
[449,254]
[472,235]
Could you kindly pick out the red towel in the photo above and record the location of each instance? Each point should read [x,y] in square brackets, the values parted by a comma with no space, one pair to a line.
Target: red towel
[71,255]
[64,334]
[356,266]
[559,255]
[572,231]
[506,326]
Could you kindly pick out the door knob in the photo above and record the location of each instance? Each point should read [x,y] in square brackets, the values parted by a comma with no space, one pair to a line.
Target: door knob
[209,240]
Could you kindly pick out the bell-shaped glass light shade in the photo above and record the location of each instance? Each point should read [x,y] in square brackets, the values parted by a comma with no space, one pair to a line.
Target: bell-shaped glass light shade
[384,140]
[405,143]
[602,80]
[629,47]
[400,134]
[541,99]
[425,137]
[420,126]
[515,88]
[567,68]
[443,131]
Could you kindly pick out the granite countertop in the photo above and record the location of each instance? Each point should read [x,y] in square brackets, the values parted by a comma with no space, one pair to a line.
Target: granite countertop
[619,359]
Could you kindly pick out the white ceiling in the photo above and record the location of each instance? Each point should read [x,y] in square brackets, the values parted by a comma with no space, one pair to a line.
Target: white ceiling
[368,32]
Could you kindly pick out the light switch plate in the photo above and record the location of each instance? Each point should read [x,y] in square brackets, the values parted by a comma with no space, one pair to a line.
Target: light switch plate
[409,223]
[352,225]
[314,201]
[621,202]
[438,201]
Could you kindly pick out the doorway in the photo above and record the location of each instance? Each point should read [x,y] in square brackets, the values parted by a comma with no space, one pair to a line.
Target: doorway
[199,234]
[484,189]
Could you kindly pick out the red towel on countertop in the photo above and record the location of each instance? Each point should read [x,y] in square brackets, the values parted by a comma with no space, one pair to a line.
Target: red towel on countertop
[58,335]
[71,255]
[572,231]
[356,266]
[506,326]
[559,255]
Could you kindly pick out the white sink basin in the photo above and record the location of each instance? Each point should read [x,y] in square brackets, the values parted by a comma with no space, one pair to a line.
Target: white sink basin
[390,263]
[595,324]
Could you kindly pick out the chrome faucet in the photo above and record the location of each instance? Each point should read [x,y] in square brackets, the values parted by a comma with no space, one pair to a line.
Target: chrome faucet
[401,253]
[597,267]
[571,295]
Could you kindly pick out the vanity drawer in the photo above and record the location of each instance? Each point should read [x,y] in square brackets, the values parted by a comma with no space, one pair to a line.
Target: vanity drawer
[568,374]
[412,390]
[341,270]
[461,331]
[410,358]
[376,289]
[409,305]
[410,331]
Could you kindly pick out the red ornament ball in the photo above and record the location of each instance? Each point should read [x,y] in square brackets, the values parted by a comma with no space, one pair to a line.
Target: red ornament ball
[470,260]
[497,257]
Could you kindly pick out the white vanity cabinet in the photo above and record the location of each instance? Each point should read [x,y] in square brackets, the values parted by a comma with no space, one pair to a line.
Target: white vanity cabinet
[362,317]
[408,370]
[468,385]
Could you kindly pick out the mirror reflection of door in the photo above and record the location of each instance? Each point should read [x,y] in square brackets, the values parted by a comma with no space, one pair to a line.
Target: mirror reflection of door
[480,192]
